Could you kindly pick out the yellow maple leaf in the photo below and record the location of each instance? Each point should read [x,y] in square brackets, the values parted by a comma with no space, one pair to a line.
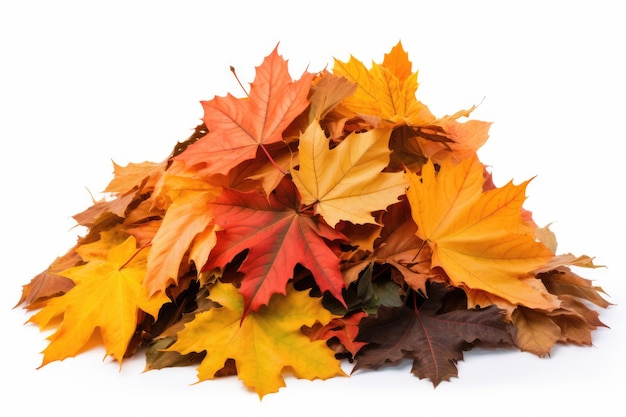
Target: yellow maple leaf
[263,343]
[107,296]
[386,91]
[479,238]
[386,97]
[347,182]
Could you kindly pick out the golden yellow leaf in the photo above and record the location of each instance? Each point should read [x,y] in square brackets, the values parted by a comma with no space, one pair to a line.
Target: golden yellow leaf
[107,296]
[479,238]
[386,91]
[347,182]
[264,343]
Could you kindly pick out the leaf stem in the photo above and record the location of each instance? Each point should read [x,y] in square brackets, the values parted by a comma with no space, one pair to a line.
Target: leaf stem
[413,263]
[133,257]
[272,161]
[232,69]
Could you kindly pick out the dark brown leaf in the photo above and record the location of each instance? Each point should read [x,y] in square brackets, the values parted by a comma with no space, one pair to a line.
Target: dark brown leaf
[434,341]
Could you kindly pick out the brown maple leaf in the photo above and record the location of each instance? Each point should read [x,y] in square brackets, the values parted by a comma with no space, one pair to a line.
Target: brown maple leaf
[434,341]
[49,283]
[572,322]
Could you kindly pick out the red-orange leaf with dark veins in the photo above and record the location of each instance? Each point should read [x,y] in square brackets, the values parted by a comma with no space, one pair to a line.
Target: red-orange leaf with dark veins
[277,237]
[434,341]
[238,127]
[345,329]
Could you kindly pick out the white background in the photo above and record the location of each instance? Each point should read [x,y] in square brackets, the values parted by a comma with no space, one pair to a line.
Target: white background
[84,83]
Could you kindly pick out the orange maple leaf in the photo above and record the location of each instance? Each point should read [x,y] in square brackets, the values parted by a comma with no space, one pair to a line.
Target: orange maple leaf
[464,139]
[187,220]
[345,329]
[107,296]
[134,176]
[238,128]
[479,238]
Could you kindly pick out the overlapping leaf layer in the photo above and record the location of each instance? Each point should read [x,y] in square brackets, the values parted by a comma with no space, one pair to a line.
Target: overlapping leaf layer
[318,219]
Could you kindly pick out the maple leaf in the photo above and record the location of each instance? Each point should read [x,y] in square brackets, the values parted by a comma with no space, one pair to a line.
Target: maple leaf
[188,217]
[538,331]
[277,237]
[251,174]
[345,330]
[386,97]
[327,92]
[239,127]
[94,214]
[387,91]
[49,283]
[127,188]
[399,246]
[563,281]
[576,321]
[107,295]
[434,341]
[463,140]
[347,182]
[135,177]
[479,238]
[573,322]
[343,184]
[262,343]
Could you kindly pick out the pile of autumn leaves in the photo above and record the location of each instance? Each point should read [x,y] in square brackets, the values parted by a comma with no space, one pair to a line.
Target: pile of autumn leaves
[319,219]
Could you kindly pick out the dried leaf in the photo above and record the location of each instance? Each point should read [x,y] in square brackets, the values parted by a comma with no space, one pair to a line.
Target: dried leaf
[263,343]
[347,182]
[479,238]
[435,342]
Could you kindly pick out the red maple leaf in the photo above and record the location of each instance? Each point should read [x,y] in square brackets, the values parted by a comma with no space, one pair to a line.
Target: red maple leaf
[277,237]
[239,127]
